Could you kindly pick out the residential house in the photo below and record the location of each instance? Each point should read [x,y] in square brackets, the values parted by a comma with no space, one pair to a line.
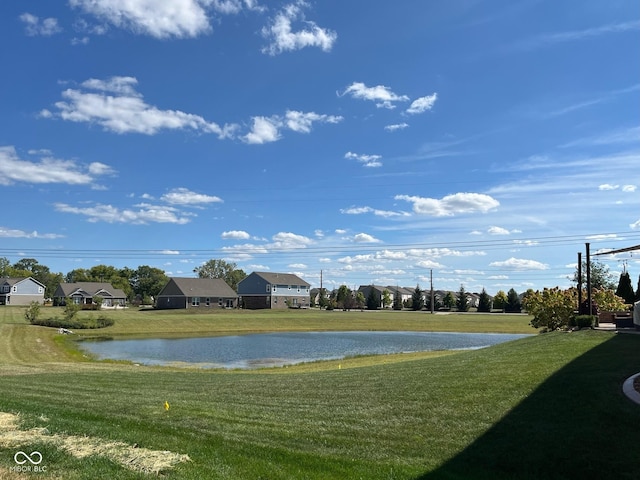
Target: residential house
[21,291]
[406,293]
[84,293]
[274,290]
[196,293]
[378,291]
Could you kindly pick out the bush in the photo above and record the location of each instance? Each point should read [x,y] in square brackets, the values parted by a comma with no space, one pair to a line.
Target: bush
[552,309]
[32,312]
[75,323]
[582,321]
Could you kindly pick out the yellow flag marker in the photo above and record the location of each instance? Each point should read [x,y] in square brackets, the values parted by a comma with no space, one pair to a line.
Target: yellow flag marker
[166,406]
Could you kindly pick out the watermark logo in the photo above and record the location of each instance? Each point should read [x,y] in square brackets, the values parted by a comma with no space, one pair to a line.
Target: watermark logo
[24,458]
[28,462]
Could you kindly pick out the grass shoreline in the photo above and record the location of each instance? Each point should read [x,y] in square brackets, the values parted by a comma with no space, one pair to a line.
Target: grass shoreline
[538,407]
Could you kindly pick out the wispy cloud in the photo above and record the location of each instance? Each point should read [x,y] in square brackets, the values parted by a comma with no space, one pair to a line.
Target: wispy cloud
[13,233]
[115,105]
[139,215]
[47,170]
[451,204]
[383,96]
[35,26]
[422,104]
[366,160]
[282,37]
[396,126]
[549,39]
[184,196]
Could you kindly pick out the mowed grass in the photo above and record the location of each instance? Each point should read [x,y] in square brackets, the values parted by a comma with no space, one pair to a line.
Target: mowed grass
[548,406]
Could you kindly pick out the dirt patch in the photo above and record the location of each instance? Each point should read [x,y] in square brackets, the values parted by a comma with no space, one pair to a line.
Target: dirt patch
[130,456]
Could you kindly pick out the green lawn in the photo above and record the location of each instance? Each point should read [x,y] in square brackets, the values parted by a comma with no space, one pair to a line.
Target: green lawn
[547,406]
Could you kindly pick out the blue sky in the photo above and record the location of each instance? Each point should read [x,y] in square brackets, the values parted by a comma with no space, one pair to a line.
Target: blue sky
[485,141]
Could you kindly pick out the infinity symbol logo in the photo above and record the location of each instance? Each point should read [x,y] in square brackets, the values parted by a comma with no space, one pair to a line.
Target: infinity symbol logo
[26,457]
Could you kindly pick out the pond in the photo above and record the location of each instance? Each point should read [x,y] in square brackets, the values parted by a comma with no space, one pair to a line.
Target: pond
[279,349]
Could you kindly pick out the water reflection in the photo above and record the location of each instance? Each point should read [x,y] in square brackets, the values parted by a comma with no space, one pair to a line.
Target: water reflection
[278,349]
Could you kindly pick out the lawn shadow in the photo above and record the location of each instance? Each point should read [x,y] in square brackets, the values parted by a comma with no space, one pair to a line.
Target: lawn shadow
[578,424]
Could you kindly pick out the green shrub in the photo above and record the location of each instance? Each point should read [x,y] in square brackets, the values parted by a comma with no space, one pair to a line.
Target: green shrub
[582,321]
[32,312]
[75,323]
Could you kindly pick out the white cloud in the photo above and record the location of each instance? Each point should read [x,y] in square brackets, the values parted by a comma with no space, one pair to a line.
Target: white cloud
[235,235]
[13,233]
[183,196]
[264,130]
[267,129]
[498,231]
[422,104]
[379,213]
[282,38]
[608,186]
[429,264]
[288,240]
[118,107]
[396,126]
[47,170]
[165,19]
[34,26]
[170,252]
[634,225]
[303,121]
[366,160]
[297,265]
[365,238]
[451,204]
[629,188]
[110,214]
[520,264]
[383,96]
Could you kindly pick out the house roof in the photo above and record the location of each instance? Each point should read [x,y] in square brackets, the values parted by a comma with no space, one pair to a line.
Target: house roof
[282,278]
[12,281]
[90,289]
[202,287]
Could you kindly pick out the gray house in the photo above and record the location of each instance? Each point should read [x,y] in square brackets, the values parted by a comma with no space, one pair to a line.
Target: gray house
[378,291]
[274,290]
[83,293]
[196,292]
[20,291]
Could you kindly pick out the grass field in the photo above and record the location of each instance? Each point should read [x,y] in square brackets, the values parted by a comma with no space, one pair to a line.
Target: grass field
[547,406]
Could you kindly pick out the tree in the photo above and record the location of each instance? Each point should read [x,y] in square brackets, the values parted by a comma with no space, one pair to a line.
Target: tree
[32,312]
[322,298]
[373,301]
[449,300]
[360,300]
[397,301]
[218,268]
[500,300]
[417,300]
[625,289]
[147,282]
[462,302]
[386,298]
[29,267]
[513,302]
[344,297]
[637,297]
[5,265]
[71,309]
[484,302]
[607,301]
[600,276]
[552,308]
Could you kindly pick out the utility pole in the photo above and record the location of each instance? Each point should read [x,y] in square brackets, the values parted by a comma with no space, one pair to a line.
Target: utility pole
[432,297]
[589,280]
[580,283]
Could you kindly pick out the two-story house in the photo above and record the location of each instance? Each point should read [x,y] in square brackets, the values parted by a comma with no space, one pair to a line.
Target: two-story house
[21,291]
[274,290]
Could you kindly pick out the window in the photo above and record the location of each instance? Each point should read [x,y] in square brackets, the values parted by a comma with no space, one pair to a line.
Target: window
[40,289]
[208,301]
[15,288]
[275,288]
[298,288]
[269,288]
[195,301]
[289,287]
[220,300]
